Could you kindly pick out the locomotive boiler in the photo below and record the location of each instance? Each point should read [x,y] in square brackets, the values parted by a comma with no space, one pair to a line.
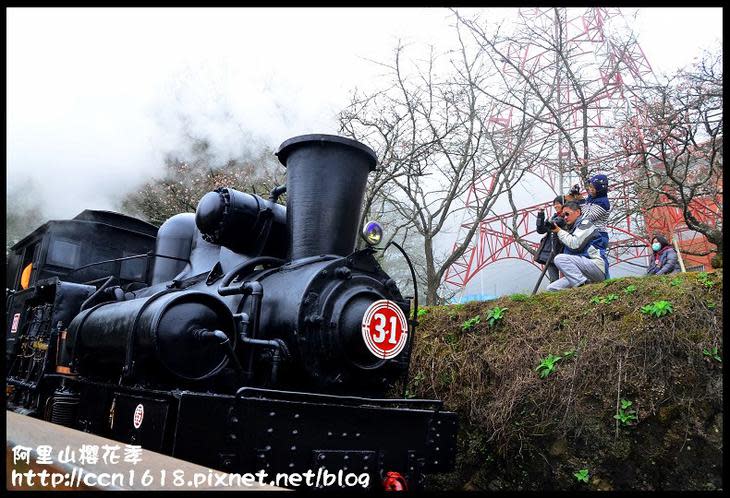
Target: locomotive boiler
[257,337]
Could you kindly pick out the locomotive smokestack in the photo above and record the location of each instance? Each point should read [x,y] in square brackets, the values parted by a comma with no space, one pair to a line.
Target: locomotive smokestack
[326,177]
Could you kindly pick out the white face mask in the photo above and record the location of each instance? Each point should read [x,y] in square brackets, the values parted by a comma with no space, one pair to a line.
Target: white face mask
[656,246]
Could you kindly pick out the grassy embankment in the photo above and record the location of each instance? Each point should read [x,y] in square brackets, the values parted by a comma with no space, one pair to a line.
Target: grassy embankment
[634,399]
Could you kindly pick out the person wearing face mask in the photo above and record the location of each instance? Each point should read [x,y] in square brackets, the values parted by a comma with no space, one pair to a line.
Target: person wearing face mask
[583,258]
[664,257]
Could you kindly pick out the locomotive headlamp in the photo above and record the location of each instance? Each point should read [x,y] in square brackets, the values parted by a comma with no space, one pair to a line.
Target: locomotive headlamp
[25,276]
[372,233]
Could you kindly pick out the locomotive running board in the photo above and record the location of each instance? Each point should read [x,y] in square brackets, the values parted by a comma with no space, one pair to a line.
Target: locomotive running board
[275,431]
[286,431]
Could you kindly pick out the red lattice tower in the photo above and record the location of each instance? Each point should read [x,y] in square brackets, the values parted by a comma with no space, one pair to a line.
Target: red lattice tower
[610,71]
[669,221]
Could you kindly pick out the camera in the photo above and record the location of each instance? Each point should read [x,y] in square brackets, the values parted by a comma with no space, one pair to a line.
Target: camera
[559,222]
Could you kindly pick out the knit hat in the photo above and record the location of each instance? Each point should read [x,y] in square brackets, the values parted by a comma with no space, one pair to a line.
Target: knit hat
[600,182]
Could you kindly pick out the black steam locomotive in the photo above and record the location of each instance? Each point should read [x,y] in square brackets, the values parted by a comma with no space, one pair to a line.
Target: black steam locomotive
[246,336]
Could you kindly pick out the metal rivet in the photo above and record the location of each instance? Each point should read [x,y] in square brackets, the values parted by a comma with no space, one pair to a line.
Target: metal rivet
[293,448]
[295,432]
[271,414]
[270,429]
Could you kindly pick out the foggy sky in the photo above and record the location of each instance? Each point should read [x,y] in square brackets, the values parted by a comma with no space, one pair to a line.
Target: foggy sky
[97,97]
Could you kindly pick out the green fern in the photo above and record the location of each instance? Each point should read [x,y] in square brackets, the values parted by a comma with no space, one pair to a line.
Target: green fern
[657,308]
[495,315]
[624,415]
[582,475]
[713,353]
[470,323]
[547,365]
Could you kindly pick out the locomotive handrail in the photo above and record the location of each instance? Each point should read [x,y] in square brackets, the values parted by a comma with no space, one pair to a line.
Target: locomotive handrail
[414,320]
[276,192]
[224,288]
[143,255]
[244,391]
[413,277]
[98,291]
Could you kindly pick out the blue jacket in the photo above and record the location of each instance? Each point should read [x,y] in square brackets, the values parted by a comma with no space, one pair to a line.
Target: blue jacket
[584,239]
[667,262]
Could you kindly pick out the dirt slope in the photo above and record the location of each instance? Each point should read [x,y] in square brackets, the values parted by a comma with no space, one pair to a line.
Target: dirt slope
[524,427]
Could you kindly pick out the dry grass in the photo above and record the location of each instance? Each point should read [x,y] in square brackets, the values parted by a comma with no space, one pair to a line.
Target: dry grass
[487,374]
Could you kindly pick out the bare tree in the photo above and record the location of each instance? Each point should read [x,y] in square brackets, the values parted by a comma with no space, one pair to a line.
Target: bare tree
[186,180]
[577,90]
[563,88]
[681,147]
[429,126]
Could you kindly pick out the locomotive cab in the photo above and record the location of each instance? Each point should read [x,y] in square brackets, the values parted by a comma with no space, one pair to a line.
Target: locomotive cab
[59,248]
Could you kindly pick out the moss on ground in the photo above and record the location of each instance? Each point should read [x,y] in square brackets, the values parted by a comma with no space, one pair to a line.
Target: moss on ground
[519,431]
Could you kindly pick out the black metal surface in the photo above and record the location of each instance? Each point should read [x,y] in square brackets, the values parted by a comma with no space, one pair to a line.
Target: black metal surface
[326,178]
[238,358]
[152,429]
[41,310]
[164,328]
[316,305]
[62,407]
[290,432]
[244,223]
[174,239]
[60,246]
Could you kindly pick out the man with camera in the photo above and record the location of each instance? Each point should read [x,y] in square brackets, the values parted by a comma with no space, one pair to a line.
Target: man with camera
[549,244]
[584,250]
